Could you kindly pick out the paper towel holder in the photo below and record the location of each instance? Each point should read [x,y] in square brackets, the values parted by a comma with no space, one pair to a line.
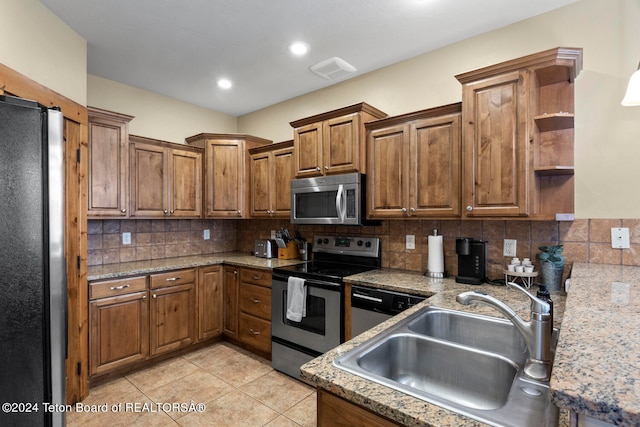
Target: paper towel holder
[435,274]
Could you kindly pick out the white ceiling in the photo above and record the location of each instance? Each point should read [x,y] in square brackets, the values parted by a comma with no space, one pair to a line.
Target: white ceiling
[179,48]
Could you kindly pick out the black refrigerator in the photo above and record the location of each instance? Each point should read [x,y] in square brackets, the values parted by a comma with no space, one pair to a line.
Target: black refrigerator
[33,291]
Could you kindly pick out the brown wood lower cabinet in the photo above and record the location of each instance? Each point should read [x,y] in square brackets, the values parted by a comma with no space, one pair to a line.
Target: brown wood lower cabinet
[173,318]
[254,302]
[231,281]
[118,324]
[336,412]
[210,284]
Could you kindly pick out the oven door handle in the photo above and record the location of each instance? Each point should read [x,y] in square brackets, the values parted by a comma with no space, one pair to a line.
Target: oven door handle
[309,282]
[341,203]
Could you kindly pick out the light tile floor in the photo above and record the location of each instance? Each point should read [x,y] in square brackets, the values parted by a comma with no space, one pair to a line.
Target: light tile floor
[236,387]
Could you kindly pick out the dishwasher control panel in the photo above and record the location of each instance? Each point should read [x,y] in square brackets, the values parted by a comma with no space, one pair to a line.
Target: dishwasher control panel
[383,301]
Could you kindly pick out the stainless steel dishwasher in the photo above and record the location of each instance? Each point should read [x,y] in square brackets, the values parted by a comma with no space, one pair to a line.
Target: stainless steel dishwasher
[370,307]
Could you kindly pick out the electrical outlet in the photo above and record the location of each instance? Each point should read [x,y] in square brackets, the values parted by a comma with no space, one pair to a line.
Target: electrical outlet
[206,234]
[509,247]
[410,241]
[620,238]
[126,238]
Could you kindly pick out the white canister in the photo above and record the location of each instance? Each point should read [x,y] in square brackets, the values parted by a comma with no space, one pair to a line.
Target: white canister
[528,268]
[519,268]
[511,267]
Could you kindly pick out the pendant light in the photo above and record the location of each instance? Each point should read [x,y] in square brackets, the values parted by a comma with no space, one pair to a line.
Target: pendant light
[632,97]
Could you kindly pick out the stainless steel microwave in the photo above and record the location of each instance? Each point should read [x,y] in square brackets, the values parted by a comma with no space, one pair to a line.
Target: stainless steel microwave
[334,199]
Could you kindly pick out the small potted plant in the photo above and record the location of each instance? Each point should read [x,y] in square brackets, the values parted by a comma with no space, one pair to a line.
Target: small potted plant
[551,266]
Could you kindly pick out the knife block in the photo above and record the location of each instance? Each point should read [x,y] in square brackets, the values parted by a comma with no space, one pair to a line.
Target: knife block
[290,252]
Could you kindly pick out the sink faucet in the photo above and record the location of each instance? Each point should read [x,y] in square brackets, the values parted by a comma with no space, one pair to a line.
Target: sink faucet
[536,332]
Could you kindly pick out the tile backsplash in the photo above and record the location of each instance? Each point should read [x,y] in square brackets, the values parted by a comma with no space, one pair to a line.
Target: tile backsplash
[154,239]
[584,240]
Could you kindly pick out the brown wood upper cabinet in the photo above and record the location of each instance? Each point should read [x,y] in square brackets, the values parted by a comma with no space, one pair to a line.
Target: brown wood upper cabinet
[414,164]
[271,175]
[226,172]
[332,142]
[517,133]
[166,179]
[108,174]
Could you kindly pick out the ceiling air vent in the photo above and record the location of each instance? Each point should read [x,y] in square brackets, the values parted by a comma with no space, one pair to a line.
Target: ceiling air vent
[333,68]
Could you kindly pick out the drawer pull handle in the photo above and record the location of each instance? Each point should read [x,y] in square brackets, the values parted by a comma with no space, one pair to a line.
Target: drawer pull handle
[254,332]
[255,300]
[173,279]
[119,288]
[257,277]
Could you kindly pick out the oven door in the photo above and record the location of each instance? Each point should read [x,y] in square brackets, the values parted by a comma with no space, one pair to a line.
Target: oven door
[323,326]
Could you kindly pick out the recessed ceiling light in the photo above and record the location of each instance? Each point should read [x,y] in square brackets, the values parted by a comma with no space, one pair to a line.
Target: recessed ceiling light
[224,84]
[299,48]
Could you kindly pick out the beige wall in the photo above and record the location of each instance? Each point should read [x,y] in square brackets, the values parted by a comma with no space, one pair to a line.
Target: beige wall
[156,116]
[36,43]
[607,143]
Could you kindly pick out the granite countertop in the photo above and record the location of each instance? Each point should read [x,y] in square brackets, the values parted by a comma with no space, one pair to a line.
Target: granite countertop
[241,259]
[400,407]
[597,364]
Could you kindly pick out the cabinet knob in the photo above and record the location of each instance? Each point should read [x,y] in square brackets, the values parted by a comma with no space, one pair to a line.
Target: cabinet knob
[318,168]
[326,167]
[404,210]
[123,210]
[171,212]
[155,296]
[238,213]
[469,208]
[235,271]
[166,212]
[413,211]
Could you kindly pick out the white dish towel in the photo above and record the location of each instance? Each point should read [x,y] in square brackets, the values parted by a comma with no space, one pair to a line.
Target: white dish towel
[296,299]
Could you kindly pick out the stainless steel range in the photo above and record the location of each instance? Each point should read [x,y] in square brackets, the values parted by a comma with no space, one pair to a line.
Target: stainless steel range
[307,317]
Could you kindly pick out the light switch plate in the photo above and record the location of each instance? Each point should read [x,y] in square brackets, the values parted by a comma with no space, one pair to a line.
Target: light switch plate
[206,234]
[620,238]
[410,241]
[126,238]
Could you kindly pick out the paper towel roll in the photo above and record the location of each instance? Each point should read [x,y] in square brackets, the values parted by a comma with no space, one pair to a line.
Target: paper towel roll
[435,260]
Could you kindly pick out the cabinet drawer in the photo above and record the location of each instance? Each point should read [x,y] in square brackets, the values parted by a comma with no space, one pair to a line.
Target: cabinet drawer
[111,288]
[178,277]
[255,332]
[257,277]
[255,300]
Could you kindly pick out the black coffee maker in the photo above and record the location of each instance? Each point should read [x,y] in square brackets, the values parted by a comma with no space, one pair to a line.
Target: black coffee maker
[472,260]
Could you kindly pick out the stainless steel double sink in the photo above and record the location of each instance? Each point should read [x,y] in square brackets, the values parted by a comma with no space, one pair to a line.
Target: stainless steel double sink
[467,363]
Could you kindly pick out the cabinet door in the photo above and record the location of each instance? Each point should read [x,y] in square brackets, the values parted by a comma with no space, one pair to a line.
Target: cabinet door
[225,179]
[341,138]
[495,146]
[210,294]
[186,184]
[281,190]
[148,180]
[173,318]
[261,184]
[388,178]
[434,178]
[307,143]
[108,173]
[231,282]
[119,332]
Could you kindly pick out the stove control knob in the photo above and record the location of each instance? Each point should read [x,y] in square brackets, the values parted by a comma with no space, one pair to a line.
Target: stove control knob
[319,241]
[326,241]
[359,242]
[368,244]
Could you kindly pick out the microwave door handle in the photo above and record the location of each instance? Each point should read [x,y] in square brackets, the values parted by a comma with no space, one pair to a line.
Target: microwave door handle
[340,205]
